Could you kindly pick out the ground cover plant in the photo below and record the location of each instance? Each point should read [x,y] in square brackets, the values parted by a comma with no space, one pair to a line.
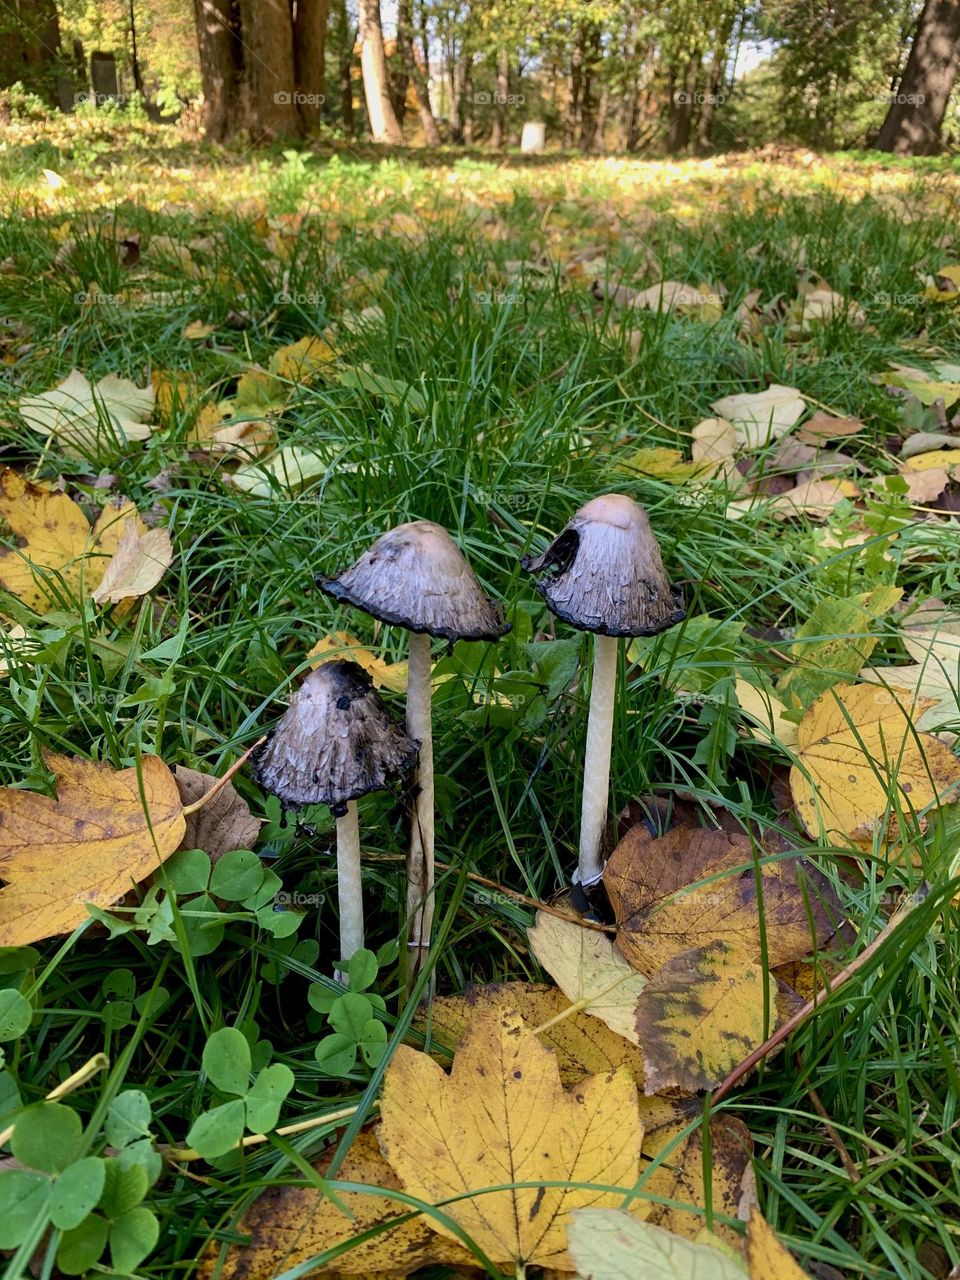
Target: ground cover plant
[227,375]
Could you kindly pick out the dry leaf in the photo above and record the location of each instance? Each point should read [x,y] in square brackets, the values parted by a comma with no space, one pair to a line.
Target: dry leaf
[385,675]
[695,886]
[74,412]
[815,499]
[197,330]
[288,1225]
[583,1045]
[91,844]
[761,416]
[608,1244]
[768,711]
[502,1116]
[702,1013]
[140,562]
[302,361]
[589,970]
[766,1256]
[932,631]
[858,747]
[223,824]
[823,427]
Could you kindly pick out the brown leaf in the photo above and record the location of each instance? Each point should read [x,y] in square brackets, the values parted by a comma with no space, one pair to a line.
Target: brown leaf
[823,427]
[223,823]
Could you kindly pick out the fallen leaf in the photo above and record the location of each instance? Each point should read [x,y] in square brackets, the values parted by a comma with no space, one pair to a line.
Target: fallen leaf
[589,970]
[660,463]
[768,711]
[816,499]
[703,1012]
[761,416]
[820,304]
[14,641]
[97,839]
[140,561]
[946,459]
[932,631]
[385,675]
[766,1256]
[502,1116]
[286,471]
[84,417]
[608,1244]
[223,824]
[583,1045]
[823,427]
[858,747]
[695,886]
[197,330]
[302,361]
[714,441]
[289,1224]
[930,693]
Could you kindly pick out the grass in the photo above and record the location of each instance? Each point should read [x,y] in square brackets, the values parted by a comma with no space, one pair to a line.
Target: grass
[510,414]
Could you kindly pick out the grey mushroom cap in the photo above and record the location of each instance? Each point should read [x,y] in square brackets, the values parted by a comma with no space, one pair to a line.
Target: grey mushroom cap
[604,572]
[336,742]
[415,577]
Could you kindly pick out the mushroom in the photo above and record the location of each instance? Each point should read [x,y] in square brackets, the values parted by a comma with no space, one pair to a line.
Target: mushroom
[335,743]
[415,577]
[604,573]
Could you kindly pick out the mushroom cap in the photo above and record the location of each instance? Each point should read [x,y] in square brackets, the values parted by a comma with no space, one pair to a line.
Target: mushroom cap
[336,741]
[415,576]
[604,572]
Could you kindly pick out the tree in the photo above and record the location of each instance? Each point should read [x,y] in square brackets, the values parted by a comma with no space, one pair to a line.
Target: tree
[221,65]
[915,116]
[414,74]
[309,51]
[30,47]
[376,85]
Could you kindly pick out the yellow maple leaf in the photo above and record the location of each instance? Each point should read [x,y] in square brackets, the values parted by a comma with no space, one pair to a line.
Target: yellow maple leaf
[342,645]
[107,830]
[503,1119]
[302,361]
[861,757]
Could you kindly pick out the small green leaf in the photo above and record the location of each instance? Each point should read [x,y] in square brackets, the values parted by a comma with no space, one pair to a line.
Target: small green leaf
[216,1131]
[321,998]
[226,1060]
[282,924]
[18,959]
[47,1136]
[124,1187]
[143,1155]
[362,969]
[81,1248]
[116,927]
[188,871]
[15,1014]
[267,1097]
[350,1014]
[24,1198]
[373,1042]
[236,875]
[132,1236]
[203,926]
[76,1192]
[128,1118]
[336,1054]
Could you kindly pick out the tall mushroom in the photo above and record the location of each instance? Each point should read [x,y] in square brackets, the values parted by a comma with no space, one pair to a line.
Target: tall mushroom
[335,743]
[604,573]
[415,577]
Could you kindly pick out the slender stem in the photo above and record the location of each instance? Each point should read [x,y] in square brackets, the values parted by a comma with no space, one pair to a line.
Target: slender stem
[596,765]
[349,884]
[420,870]
[183,1154]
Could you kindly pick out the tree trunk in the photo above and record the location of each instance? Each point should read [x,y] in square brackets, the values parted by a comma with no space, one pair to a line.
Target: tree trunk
[915,116]
[716,78]
[682,89]
[571,118]
[500,92]
[588,99]
[345,42]
[467,126]
[309,46]
[30,47]
[415,75]
[376,85]
[269,80]
[220,52]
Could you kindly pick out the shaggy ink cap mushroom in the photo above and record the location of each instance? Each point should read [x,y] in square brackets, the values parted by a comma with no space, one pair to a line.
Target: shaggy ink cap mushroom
[415,577]
[335,743]
[604,572]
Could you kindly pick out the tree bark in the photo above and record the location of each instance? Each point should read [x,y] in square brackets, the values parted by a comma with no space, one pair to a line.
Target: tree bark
[415,75]
[915,116]
[376,85]
[345,42]
[588,98]
[501,90]
[309,48]
[219,49]
[269,79]
[467,124]
[682,89]
[716,78]
[571,118]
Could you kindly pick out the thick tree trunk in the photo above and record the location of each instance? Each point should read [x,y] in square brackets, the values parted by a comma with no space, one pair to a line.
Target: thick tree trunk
[30,47]
[220,52]
[415,75]
[915,116]
[309,46]
[376,85]
[682,89]
[500,93]
[345,42]
[269,79]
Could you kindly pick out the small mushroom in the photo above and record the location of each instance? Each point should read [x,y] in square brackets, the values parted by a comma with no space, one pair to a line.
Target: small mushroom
[604,573]
[335,743]
[415,577]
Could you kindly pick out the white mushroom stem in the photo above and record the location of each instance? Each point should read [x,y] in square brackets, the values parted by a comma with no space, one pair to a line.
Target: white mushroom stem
[596,767]
[349,884]
[420,859]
